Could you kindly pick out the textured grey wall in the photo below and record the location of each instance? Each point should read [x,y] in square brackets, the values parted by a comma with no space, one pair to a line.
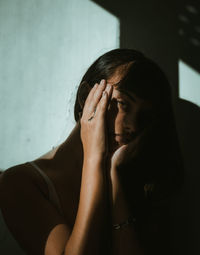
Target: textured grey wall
[45,48]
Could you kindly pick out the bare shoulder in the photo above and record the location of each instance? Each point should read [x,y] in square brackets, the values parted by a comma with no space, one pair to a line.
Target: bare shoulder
[21,177]
[33,221]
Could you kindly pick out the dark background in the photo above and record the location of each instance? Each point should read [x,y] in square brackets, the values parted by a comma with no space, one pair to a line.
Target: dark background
[169,31]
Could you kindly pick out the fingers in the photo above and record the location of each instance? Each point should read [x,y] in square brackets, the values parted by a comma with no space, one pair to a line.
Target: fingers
[137,144]
[97,98]
[93,98]
[103,103]
[90,96]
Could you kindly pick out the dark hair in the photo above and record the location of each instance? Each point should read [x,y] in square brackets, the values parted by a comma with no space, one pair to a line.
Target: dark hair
[146,79]
[143,77]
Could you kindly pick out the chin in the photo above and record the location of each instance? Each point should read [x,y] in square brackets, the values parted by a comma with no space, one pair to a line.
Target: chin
[115,144]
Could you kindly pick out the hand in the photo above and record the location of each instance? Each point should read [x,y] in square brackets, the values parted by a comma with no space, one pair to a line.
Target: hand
[93,124]
[131,151]
[125,154]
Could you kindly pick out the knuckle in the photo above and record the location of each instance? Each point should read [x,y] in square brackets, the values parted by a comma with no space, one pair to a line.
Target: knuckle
[97,95]
[103,104]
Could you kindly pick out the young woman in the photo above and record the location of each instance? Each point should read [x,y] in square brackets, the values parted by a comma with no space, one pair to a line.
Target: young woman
[105,189]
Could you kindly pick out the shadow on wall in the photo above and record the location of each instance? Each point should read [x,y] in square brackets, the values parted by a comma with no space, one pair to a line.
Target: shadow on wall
[167,31]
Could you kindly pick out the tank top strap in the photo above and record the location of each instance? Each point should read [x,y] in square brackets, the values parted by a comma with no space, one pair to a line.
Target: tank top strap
[53,196]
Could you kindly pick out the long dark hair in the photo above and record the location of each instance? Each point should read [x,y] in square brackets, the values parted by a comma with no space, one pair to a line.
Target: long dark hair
[160,161]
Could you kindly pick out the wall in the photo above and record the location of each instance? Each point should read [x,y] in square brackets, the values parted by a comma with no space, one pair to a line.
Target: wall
[45,48]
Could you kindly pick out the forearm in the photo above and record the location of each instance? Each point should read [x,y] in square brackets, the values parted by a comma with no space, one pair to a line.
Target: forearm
[125,240]
[89,225]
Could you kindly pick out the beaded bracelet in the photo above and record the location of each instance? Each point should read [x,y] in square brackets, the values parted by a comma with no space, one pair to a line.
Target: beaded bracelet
[125,223]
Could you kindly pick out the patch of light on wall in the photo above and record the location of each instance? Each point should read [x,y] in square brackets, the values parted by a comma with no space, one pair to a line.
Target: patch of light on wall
[189,83]
[45,50]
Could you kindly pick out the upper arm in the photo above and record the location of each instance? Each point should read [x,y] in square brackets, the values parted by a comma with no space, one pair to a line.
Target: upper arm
[34,222]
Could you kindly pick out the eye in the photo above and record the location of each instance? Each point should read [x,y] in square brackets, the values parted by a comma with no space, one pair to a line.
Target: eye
[123,104]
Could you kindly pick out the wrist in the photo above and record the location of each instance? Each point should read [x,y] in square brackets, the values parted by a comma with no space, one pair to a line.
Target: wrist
[94,158]
[119,203]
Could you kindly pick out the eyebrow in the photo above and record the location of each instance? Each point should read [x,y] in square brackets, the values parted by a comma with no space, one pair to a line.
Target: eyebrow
[125,92]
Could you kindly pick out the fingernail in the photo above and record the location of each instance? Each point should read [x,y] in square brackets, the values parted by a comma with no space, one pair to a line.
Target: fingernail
[102,82]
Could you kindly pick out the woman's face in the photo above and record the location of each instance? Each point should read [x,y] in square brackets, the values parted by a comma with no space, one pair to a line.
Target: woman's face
[127,115]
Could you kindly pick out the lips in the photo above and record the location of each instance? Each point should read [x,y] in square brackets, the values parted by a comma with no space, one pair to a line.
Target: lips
[123,138]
